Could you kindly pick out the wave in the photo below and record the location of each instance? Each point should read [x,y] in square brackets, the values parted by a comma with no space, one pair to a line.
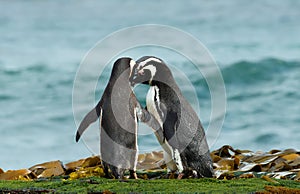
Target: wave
[16,71]
[246,72]
[249,79]
[6,97]
[38,68]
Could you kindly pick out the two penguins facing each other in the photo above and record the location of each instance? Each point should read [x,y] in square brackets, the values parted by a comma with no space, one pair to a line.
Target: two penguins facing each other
[174,122]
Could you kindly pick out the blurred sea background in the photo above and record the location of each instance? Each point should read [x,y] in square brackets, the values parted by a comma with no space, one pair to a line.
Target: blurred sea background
[256,44]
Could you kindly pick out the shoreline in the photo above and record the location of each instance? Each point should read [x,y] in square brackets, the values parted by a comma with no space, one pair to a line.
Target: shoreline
[228,163]
[236,171]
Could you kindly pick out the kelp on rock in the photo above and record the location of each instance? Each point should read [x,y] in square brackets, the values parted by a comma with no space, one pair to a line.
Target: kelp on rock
[229,163]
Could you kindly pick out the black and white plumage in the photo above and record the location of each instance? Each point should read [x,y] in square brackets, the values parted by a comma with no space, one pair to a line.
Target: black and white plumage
[186,148]
[118,112]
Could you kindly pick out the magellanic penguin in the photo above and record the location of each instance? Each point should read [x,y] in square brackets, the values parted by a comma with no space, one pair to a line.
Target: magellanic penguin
[118,112]
[186,148]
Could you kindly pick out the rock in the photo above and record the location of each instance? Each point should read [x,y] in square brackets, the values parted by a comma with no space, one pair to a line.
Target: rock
[261,158]
[290,157]
[295,164]
[48,169]
[226,164]
[247,175]
[275,163]
[267,178]
[215,158]
[225,175]
[246,167]
[17,175]
[71,166]
[87,172]
[297,178]
[279,189]
[85,168]
[87,162]
[225,151]
[153,160]
[282,175]
[91,161]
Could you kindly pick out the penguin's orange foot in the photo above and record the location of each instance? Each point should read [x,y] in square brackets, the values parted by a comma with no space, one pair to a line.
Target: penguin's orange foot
[180,176]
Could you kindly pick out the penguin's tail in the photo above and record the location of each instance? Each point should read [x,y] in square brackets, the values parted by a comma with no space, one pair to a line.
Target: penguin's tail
[90,118]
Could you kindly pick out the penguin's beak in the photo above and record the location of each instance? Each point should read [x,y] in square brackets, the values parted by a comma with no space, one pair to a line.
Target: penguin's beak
[139,76]
[132,82]
[135,78]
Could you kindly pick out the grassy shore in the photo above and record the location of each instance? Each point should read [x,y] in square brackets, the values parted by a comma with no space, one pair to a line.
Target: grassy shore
[100,185]
[236,171]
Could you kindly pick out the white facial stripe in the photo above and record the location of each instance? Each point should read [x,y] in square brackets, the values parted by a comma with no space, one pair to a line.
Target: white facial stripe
[132,63]
[143,63]
[152,69]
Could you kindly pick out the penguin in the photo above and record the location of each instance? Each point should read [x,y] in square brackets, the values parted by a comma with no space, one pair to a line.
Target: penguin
[119,111]
[184,142]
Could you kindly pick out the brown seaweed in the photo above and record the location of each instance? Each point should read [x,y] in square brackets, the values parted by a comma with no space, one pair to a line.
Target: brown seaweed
[48,169]
[22,174]
[228,163]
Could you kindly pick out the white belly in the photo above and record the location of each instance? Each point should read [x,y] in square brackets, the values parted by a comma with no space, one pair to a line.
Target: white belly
[151,107]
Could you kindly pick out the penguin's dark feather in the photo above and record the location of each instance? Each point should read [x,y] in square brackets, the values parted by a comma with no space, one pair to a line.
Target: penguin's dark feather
[118,121]
[182,127]
[90,118]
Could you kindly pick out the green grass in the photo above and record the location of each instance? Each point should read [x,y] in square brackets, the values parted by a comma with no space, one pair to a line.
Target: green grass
[97,185]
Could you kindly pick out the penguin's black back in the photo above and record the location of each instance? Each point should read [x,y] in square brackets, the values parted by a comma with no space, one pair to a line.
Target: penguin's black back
[182,126]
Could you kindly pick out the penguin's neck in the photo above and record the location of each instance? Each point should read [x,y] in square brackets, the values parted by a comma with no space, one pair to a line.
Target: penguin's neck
[166,83]
[167,88]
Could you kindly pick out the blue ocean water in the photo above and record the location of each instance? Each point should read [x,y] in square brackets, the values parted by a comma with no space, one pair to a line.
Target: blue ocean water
[256,44]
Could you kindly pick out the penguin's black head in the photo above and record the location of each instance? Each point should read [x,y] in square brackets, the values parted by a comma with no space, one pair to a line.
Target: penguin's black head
[148,70]
[122,65]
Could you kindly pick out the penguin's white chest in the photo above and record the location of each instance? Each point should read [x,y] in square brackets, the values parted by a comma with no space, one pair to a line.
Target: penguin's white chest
[152,102]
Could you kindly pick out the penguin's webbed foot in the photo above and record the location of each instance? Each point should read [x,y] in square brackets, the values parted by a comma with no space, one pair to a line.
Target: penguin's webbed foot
[133,175]
[180,176]
[175,175]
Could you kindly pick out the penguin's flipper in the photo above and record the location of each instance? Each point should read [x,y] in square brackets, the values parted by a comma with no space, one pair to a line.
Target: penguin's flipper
[170,126]
[162,111]
[90,118]
[149,119]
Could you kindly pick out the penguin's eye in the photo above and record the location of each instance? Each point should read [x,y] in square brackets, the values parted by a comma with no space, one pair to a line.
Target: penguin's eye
[149,68]
[141,72]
